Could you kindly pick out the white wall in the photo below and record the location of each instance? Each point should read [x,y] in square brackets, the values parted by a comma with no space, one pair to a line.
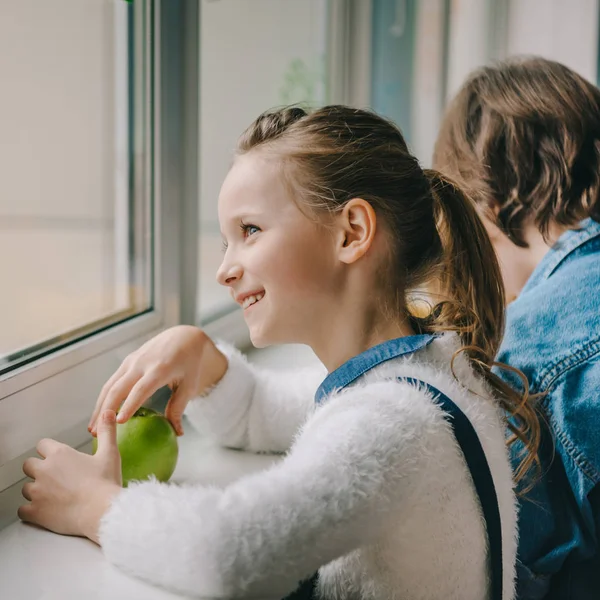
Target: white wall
[427,84]
[469,39]
[562,30]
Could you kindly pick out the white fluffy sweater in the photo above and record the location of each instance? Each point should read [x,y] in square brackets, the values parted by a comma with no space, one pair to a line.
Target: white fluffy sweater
[373,490]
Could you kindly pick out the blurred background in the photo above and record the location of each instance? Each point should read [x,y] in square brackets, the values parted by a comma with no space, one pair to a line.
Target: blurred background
[79,243]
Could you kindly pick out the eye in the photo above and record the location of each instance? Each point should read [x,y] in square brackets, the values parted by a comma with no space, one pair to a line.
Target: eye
[248,229]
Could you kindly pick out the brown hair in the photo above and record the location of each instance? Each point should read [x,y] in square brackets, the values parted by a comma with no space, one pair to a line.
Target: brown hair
[523,137]
[338,153]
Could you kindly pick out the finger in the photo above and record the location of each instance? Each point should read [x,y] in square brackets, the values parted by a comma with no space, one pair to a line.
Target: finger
[104,392]
[176,407]
[32,466]
[117,394]
[47,446]
[27,491]
[26,513]
[107,432]
[140,392]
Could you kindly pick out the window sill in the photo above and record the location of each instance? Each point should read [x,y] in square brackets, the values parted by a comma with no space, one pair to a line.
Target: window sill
[38,564]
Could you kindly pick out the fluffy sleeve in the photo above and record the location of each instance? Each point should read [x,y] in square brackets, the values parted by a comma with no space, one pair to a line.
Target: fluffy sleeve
[349,468]
[253,408]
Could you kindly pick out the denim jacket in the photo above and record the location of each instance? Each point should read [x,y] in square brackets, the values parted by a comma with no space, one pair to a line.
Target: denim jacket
[553,336]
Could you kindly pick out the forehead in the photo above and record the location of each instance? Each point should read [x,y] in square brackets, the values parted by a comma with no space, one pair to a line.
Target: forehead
[254,185]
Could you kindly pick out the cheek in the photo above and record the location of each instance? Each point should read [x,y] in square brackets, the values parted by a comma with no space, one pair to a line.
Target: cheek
[299,266]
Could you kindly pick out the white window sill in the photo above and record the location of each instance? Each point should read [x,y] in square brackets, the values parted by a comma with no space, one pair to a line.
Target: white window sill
[36,564]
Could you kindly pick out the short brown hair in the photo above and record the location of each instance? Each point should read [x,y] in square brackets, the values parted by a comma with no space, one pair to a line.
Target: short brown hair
[523,137]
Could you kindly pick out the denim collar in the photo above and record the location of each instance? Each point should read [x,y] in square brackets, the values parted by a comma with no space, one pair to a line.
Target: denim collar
[567,243]
[358,365]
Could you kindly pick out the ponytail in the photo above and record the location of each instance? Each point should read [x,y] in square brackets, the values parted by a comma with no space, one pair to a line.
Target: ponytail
[472,304]
[469,277]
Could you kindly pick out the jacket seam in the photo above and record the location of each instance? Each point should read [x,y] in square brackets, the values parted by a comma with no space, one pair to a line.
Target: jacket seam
[547,380]
[556,370]
[581,238]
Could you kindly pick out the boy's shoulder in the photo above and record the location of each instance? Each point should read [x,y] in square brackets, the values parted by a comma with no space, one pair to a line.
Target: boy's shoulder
[555,325]
[553,336]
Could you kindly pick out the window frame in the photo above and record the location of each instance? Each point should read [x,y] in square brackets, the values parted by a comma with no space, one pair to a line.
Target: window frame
[61,388]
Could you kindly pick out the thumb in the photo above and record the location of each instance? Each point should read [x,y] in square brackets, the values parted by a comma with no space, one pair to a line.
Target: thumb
[107,432]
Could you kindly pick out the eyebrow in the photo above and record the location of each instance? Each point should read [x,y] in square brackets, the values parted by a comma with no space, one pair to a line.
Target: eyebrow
[245,216]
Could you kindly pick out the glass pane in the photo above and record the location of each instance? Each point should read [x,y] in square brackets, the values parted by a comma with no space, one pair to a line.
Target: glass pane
[75,206]
[408,67]
[254,56]
[392,60]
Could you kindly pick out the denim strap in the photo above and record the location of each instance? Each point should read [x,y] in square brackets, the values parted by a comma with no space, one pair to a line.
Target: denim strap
[306,589]
[482,477]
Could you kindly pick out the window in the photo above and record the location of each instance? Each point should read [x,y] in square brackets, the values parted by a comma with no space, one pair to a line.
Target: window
[98,204]
[421,52]
[108,225]
[76,199]
[409,67]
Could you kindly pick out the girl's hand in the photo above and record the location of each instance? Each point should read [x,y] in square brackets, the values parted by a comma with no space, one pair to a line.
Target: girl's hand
[70,490]
[183,358]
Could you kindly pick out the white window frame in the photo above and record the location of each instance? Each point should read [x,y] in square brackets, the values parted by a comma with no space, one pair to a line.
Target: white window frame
[54,396]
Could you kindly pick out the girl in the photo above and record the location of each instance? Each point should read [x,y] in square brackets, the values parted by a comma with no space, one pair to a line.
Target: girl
[329,224]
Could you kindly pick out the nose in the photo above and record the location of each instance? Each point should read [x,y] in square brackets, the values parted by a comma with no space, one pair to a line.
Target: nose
[229,273]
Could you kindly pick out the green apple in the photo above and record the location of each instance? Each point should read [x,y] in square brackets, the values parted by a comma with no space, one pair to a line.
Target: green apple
[148,446]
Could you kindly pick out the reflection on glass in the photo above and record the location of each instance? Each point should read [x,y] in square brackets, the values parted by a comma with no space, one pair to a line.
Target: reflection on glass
[74,194]
[254,56]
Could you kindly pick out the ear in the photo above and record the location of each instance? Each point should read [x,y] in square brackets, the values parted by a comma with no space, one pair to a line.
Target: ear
[356,225]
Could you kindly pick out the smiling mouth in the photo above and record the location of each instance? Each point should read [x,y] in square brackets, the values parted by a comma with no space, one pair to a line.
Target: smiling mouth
[252,300]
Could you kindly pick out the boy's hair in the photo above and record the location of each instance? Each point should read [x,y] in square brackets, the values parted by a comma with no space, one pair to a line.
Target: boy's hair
[523,139]
[337,153]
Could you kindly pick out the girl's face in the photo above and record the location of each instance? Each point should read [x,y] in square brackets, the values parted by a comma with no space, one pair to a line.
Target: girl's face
[279,264]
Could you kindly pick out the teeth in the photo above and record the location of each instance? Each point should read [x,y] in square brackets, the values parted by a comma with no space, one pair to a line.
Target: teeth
[250,300]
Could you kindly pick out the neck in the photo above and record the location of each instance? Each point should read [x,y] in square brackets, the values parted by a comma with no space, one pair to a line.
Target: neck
[337,341]
[538,248]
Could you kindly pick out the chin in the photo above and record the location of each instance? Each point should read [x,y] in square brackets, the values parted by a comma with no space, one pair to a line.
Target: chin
[259,342]
[260,339]
[264,338]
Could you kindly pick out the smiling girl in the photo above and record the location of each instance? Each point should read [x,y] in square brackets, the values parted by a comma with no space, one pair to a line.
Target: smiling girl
[396,481]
